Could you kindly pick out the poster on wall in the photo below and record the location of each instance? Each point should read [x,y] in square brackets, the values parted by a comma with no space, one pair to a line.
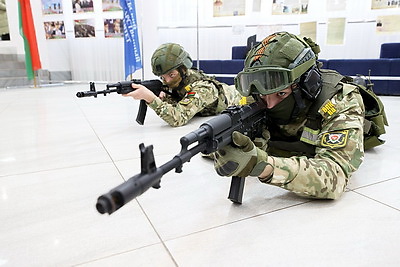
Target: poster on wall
[54,29]
[309,29]
[388,24]
[289,7]
[335,32]
[81,6]
[229,8]
[84,28]
[111,5]
[50,7]
[379,4]
[113,28]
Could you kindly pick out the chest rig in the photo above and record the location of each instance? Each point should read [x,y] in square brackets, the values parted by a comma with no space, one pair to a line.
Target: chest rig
[305,142]
[197,75]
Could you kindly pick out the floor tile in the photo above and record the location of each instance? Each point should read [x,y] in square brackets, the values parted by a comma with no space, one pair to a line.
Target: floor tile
[386,192]
[354,231]
[378,166]
[155,255]
[41,131]
[49,218]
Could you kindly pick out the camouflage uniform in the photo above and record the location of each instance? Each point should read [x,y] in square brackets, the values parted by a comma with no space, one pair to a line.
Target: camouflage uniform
[200,95]
[339,150]
[314,134]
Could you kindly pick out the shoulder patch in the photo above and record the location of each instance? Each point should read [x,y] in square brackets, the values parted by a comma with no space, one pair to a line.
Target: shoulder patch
[328,108]
[335,139]
[186,101]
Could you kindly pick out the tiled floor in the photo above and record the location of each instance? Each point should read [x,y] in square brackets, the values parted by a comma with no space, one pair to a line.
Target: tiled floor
[59,153]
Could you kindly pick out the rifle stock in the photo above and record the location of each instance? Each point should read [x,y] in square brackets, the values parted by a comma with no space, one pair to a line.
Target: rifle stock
[208,138]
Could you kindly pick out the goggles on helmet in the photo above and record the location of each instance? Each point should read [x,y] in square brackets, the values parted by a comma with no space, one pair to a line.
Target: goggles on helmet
[268,80]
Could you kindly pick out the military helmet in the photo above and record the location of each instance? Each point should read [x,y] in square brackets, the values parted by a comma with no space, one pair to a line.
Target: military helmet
[274,64]
[169,56]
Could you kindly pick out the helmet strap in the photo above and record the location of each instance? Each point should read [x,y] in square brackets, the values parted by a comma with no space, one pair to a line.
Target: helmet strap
[183,73]
[296,91]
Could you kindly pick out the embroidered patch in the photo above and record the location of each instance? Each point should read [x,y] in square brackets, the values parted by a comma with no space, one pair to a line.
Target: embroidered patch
[335,139]
[328,108]
[243,101]
[186,101]
[188,88]
[191,94]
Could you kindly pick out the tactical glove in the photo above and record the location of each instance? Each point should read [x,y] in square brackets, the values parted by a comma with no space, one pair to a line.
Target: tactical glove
[243,160]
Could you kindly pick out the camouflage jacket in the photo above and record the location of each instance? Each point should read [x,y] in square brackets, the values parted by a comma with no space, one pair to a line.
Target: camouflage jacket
[200,95]
[339,149]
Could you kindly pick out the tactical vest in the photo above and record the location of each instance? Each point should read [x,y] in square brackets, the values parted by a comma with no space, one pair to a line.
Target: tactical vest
[374,122]
[375,116]
[197,75]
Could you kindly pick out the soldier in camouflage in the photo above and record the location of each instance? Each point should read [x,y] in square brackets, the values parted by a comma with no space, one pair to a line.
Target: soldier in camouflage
[192,92]
[313,140]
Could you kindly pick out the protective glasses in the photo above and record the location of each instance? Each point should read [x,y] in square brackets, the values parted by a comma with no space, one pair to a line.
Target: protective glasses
[269,80]
[266,80]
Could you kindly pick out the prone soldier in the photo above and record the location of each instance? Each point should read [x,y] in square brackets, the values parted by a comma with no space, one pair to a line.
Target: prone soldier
[198,93]
[313,138]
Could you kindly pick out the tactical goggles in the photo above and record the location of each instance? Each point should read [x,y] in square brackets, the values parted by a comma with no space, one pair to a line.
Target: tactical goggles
[269,80]
[266,80]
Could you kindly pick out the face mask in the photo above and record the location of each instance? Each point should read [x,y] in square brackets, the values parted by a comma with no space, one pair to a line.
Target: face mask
[282,112]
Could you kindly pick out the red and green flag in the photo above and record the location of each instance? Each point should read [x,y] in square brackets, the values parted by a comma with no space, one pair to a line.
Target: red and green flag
[27,31]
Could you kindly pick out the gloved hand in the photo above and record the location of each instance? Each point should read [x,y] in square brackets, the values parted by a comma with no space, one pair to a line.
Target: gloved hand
[244,160]
[262,142]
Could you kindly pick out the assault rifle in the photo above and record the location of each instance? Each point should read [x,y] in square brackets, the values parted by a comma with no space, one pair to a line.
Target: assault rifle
[209,137]
[125,87]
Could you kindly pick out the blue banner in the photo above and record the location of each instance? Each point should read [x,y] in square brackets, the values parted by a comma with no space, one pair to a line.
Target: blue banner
[133,60]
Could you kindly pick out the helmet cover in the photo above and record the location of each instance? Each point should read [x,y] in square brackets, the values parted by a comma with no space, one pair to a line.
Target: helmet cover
[169,56]
[274,64]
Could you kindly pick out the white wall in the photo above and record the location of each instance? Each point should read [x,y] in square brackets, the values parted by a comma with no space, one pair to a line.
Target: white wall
[219,34]
[190,23]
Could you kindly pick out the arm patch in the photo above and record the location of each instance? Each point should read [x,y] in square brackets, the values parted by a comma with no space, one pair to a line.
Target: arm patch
[336,139]
[188,98]
[186,101]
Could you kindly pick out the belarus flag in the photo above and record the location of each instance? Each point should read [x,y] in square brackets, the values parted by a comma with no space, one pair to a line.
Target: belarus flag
[27,31]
